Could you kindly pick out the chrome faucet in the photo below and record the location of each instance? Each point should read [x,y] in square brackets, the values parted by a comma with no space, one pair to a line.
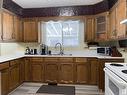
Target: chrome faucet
[61,48]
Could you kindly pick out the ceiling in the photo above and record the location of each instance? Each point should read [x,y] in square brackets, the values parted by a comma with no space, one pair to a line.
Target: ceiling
[53,3]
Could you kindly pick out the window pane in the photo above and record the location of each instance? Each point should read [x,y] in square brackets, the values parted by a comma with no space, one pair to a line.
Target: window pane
[66,32]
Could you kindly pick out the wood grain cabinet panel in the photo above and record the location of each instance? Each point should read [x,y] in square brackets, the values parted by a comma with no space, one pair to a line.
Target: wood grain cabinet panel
[1,26]
[5,82]
[8,31]
[18,33]
[121,14]
[66,73]
[14,76]
[30,28]
[82,71]
[93,71]
[90,29]
[51,72]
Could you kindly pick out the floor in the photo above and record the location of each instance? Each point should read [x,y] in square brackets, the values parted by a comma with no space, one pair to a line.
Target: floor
[31,89]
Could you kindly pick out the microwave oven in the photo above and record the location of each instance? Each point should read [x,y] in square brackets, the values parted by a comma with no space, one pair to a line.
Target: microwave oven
[104,51]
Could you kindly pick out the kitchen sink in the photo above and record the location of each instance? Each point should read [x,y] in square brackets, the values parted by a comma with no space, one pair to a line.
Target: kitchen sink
[61,54]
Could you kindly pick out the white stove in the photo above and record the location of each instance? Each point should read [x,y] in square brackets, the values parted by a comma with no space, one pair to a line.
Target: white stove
[115,78]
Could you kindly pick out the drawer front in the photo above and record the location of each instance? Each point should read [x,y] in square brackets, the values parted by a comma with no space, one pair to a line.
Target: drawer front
[13,62]
[80,59]
[51,59]
[4,65]
[36,59]
[64,59]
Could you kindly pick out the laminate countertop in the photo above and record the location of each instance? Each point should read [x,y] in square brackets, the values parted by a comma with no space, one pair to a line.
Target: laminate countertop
[17,56]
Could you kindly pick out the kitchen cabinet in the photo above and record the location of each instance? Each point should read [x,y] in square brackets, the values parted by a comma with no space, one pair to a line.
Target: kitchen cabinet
[21,70]
[66,72]
[30,28]
[93,71]
[117,14]
[27,69]
[82,70]
[101,80]
[8,31]
[0,25]
[37,69]
[90,29]
[14,74]
[101,26]
[18,34]
[4,68]
[51,69]
[113,31]
[121,14]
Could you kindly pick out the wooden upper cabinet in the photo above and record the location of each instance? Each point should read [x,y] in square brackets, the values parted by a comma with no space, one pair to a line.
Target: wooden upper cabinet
[0,25]
[121,14]
[18,34]
[90,29]
[101,26]
[112,18]
[8,32]
[30,28]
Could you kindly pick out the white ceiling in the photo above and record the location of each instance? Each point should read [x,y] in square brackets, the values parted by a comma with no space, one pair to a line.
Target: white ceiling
[53,3]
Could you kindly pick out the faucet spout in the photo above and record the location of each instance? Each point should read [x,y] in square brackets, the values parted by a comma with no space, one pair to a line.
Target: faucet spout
[61,48]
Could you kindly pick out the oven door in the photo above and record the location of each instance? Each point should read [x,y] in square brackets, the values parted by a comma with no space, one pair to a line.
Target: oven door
[114,85]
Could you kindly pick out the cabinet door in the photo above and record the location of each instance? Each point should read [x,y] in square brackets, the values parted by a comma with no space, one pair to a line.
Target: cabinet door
[113,32]
[82,72]
[18,34]
[101,27]
[66,73]
[51,72]
[27,70]
[93,71]
[14,77]
[90,30]
[30,31]
[8,33]
[4,82]
[0,26]
[37,72]
[121,15]
[22,70]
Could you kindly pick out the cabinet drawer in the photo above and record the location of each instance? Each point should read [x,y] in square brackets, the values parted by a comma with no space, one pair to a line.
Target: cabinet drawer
[51,59]
[4,65]
[14,62]
[64,59]
[80,59]
[36,59]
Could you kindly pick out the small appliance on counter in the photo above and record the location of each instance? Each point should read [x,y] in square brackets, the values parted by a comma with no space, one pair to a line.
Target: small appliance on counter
[31,51]
[43,49]
[106,51]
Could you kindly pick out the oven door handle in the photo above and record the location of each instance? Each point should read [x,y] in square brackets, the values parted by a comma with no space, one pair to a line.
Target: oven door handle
[114,77]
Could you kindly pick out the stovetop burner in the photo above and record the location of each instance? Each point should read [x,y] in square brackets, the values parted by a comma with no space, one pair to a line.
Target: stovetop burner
[116,65]
[124,71]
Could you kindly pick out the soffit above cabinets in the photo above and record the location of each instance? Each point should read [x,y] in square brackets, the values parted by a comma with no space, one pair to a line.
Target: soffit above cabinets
[53,3]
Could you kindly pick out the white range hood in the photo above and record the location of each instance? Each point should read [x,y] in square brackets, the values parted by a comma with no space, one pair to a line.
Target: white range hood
[123,21]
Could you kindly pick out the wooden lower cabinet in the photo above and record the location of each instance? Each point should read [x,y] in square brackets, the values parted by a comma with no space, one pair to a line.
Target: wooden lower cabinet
[14,76]
[4,82]
[21,70]
[93,71]
[82,73]
[66,73]
[51,72]
[27,69]
[37,72]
